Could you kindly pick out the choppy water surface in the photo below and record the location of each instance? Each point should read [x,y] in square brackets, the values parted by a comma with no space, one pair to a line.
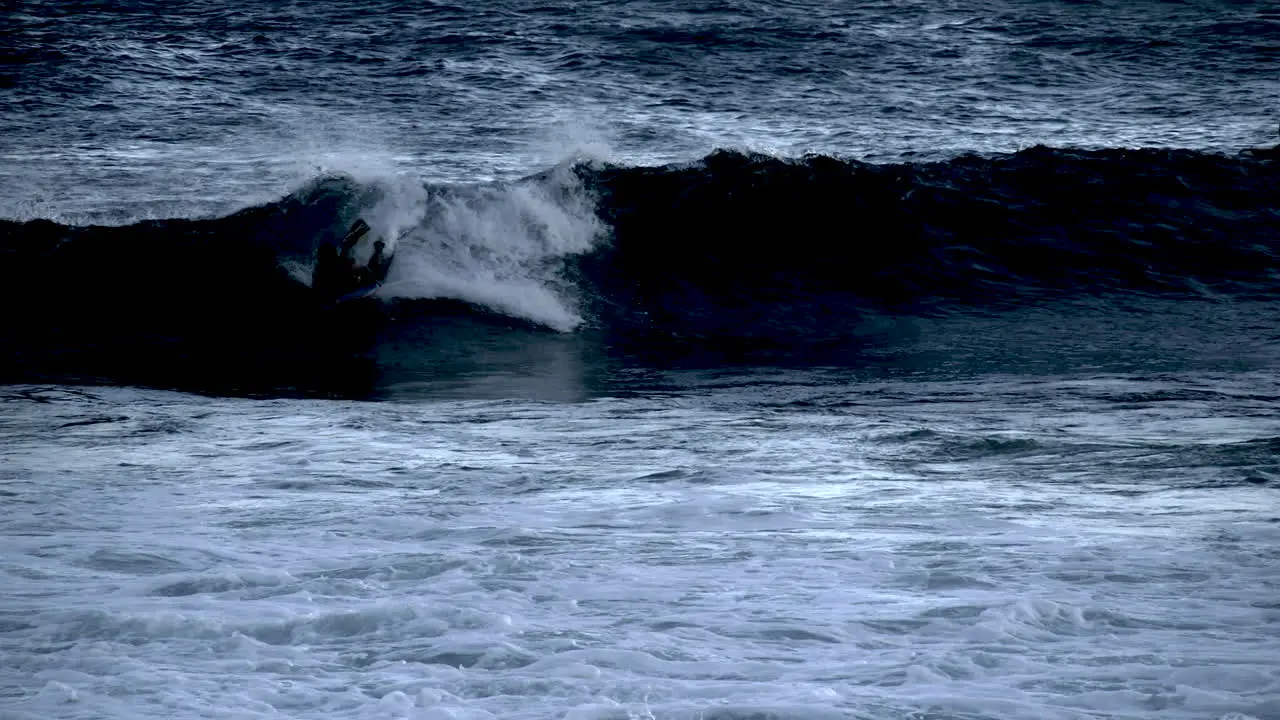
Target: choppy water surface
[800,360]
[124,110]
[761,545]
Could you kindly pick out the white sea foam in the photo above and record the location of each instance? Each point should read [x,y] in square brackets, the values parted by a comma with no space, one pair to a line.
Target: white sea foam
[674,557]
[498,246]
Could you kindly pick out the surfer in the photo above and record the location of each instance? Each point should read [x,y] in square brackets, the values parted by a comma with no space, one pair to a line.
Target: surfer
[336,274]
[379,263]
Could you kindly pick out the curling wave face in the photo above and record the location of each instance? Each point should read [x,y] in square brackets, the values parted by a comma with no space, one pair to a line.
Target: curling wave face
[737,254]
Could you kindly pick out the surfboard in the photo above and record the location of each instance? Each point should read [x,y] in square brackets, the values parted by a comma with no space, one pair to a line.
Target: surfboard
[363,292]
[368,290]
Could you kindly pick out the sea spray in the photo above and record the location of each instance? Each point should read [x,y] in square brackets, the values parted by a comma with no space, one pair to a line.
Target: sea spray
[499,246]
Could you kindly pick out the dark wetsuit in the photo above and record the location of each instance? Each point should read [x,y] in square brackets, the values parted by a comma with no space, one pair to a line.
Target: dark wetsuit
[379,263]
[336,273]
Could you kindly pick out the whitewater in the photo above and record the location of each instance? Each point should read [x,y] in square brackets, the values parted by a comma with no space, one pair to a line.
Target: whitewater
[783,547]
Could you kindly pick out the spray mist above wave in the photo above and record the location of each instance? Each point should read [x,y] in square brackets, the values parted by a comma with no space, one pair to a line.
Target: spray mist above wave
[499,246]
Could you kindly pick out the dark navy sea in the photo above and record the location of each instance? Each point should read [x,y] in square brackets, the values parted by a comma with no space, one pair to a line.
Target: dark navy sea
[788,360]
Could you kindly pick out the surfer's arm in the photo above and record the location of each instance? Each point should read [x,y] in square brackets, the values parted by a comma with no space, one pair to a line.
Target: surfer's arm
[378,262]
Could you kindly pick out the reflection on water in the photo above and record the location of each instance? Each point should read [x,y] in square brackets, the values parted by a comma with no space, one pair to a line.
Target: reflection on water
[466,355]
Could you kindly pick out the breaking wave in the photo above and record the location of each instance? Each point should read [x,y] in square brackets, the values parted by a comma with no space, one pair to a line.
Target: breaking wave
[736,249]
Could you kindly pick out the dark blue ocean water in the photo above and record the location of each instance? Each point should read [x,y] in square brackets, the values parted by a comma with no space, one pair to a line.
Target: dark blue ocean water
[736,360]
[117,110]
